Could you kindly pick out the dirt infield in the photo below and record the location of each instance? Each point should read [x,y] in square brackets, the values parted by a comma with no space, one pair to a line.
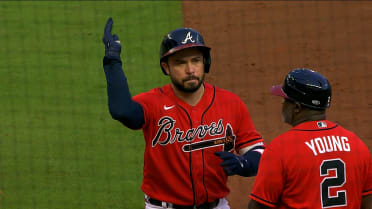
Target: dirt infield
[254,44]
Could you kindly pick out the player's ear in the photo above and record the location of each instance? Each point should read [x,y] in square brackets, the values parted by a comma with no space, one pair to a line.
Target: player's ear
[165,67]
[298,107]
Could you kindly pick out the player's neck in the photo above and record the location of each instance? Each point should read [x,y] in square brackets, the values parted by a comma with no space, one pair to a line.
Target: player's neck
[191,98]
[307,118]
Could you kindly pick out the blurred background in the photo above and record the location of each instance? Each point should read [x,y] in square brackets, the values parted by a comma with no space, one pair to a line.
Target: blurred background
[59,146]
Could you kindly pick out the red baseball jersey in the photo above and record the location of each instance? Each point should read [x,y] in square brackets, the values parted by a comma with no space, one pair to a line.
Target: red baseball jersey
[179,163]
[316,164]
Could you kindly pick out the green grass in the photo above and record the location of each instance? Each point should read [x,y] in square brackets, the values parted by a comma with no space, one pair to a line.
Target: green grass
[59,147]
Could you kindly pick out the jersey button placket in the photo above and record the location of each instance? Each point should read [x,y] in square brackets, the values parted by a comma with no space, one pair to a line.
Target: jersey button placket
[197,158]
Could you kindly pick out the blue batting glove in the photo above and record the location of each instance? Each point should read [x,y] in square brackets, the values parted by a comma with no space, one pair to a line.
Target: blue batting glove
[111,42]
[232,164]
[245,165]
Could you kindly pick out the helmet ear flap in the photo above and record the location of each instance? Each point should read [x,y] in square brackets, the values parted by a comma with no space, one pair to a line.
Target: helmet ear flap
[297,107]
[207,60]
[207,64]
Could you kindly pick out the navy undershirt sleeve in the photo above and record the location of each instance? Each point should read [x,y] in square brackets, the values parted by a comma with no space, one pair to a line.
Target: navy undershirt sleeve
[252,159]
[121,105]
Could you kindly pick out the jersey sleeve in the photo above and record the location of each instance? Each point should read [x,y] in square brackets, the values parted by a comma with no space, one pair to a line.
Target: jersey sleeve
[269,181]
[247,134]
[150,107]
[368,184]
[142,99]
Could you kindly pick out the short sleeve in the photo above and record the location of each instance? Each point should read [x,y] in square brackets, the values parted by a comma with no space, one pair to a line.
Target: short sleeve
[367,189]
[247,134]
[142,99]
[269,180]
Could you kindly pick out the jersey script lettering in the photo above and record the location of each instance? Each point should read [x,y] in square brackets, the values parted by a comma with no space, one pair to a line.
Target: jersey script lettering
[166,125]
[325,144]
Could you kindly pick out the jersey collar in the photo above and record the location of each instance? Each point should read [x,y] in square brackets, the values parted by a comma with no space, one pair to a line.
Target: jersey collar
[314,126]
[204,102]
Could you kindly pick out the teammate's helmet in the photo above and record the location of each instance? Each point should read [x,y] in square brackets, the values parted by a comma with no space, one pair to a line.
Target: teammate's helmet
[183,38]
[306,87]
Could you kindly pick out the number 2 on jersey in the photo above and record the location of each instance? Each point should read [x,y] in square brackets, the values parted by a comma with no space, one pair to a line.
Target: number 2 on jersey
[333,182]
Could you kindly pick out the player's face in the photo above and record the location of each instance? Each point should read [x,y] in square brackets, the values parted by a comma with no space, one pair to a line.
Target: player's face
[186,69]
[288,111]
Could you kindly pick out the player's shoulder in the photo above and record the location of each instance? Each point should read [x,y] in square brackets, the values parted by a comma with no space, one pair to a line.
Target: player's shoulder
[224,93]
[352,135]
[284,140]
[151,92]
[347,131]
[356,143]
[151,95]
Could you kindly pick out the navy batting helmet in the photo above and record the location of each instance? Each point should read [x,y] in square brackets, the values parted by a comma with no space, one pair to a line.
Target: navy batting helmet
[306,87]
[183,38]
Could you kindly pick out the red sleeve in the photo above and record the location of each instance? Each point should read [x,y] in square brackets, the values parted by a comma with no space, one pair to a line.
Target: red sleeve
[367,189]
[142,99]
[246,134]
[269,181]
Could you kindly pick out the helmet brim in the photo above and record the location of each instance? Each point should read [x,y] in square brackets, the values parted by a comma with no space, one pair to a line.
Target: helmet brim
[185,46]
[278,91]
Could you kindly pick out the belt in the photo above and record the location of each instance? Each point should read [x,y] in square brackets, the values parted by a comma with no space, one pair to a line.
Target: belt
[206,205]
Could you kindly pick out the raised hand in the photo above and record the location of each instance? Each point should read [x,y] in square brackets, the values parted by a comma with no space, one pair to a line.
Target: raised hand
[111,42]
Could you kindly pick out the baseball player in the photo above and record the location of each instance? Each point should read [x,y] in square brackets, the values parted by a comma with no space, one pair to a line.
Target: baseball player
[190,127]
[317,163]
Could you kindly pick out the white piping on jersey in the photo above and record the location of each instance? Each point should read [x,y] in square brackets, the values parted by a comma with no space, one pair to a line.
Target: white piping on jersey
[242,151]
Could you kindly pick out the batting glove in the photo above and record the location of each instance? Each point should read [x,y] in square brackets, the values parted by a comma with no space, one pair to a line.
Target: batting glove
[111,42]
[246,165]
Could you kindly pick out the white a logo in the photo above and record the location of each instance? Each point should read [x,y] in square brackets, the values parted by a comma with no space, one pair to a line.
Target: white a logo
[188,37]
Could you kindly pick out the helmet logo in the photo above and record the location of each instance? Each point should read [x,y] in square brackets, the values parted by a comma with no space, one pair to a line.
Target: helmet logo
[188,37]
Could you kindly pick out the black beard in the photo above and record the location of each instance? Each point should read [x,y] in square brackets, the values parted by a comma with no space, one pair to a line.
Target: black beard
[190,89]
